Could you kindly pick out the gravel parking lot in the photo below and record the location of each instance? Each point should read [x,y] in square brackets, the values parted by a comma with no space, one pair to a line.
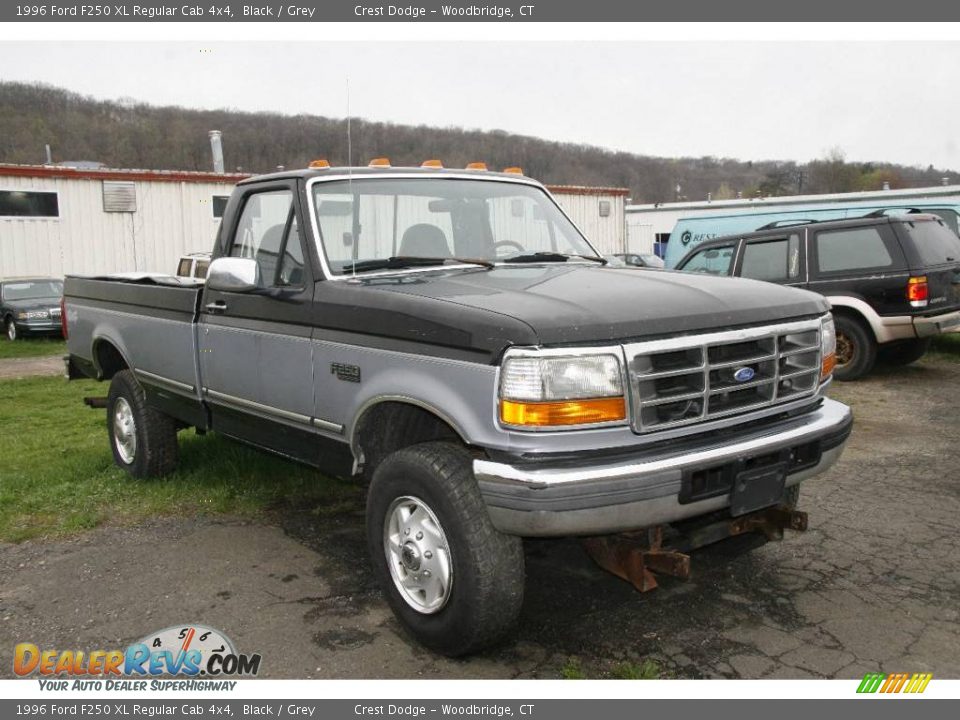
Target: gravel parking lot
[872,586]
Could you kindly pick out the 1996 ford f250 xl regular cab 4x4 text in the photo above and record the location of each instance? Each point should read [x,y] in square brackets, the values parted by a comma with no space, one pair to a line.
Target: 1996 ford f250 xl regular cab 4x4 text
[451,335]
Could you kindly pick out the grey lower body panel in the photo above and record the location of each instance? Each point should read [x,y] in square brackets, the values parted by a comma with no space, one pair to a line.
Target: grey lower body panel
[531,499]
[908,327]
[937,324]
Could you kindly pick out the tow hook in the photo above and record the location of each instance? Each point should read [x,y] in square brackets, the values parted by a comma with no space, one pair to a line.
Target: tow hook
[638,556]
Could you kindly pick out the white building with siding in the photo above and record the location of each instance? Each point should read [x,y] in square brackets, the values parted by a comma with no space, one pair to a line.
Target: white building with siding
[599,212]
[56,221]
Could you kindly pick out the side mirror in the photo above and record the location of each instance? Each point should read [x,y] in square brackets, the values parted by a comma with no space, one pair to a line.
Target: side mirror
[230,274]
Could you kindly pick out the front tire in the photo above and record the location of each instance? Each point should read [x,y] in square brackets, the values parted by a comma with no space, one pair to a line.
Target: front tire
[143,440]
[11,330]
[856,349]
[454,581]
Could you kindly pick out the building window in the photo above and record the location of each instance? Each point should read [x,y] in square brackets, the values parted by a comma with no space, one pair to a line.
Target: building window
[604,208]
[119,196]
[220,205]
[27,203]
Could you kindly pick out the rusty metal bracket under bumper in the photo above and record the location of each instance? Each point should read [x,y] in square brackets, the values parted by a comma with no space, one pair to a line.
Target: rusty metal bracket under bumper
[637,556]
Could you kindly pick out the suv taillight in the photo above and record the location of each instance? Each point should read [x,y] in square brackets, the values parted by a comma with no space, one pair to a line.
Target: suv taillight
[918,291]
[63,317]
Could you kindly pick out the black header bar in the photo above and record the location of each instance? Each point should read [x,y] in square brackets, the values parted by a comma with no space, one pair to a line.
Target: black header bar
[858,11]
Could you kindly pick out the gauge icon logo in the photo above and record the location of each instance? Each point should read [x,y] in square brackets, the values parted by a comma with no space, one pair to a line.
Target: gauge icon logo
[184,638]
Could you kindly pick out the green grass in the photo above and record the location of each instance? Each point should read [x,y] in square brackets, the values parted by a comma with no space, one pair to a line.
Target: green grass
[572,670]
[644,670]
[57,475]
[31,347]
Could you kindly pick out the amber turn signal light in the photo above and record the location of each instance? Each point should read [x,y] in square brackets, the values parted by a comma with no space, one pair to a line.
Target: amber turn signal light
[568,412]
[827,366]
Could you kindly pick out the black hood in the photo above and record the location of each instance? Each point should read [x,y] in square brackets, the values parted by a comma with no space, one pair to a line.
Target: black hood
[29,304]
[576,303]
[552,304]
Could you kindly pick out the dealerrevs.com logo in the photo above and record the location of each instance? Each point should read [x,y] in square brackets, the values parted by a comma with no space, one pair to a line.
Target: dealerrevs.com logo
[190,651]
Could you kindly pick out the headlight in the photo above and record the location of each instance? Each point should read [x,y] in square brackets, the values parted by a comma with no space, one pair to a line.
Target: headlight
[828,347]
[558,391]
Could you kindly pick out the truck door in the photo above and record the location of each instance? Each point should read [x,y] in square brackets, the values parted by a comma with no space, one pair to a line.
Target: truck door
[255,351]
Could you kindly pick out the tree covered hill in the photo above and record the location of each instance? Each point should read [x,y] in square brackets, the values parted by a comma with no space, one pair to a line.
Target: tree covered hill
[131,134]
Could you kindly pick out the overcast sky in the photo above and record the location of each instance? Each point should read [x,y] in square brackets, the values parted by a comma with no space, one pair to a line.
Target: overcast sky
[876,101]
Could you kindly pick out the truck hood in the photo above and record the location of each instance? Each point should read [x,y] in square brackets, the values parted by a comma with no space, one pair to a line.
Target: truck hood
[585,304]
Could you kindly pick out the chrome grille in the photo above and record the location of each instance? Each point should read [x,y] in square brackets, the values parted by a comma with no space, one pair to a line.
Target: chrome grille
[687,380]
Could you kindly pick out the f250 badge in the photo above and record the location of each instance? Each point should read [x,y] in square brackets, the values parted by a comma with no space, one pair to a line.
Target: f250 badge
[349,373]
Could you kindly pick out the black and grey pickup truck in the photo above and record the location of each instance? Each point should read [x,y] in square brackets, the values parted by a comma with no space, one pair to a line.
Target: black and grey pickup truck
[450,336]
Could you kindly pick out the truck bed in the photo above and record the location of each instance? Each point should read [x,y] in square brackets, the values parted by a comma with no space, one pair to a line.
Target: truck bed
[149,320]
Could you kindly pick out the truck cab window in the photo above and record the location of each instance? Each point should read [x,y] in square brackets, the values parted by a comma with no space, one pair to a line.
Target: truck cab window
[291,263]
[712,261]
[267,232]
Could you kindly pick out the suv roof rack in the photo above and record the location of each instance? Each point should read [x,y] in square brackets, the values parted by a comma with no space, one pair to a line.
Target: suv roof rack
[883,212]
[787,223]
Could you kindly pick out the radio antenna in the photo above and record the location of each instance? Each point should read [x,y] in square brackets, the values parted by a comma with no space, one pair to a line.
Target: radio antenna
[354,198]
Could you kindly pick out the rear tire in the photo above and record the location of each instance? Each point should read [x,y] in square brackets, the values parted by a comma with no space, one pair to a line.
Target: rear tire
[904,352]
[453,581]
[856,349]
[143,440]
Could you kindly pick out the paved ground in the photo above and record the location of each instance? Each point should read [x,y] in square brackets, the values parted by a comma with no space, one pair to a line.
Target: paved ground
[874,584]
[26,367]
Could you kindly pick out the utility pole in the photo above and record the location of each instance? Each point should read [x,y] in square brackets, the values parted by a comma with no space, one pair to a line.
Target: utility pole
[801,176]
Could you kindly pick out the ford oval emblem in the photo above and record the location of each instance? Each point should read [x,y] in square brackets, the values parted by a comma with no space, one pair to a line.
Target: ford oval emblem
[744,374]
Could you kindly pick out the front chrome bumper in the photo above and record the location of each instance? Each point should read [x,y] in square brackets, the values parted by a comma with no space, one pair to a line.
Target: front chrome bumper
[645,489]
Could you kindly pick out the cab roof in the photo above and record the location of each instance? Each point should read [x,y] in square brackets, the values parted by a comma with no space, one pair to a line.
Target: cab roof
[389,171]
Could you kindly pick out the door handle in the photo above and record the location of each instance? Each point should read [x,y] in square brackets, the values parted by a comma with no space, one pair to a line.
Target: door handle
[216,307]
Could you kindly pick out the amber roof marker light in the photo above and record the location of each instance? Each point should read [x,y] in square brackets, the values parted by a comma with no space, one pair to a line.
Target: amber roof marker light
[380,162]
[476,166]
[320,164]
[432,164]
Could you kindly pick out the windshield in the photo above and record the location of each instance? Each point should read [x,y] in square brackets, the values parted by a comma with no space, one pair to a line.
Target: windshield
[32,290]
[371,220]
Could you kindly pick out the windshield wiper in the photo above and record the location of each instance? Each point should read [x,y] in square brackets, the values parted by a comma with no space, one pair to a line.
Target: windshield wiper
[400,262]
[552,257]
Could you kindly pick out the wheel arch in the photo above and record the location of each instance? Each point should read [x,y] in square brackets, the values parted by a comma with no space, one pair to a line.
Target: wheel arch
[108,357]
[390,422]
[859,310]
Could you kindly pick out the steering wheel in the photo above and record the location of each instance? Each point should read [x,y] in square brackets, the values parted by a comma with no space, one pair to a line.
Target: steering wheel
[507,243]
